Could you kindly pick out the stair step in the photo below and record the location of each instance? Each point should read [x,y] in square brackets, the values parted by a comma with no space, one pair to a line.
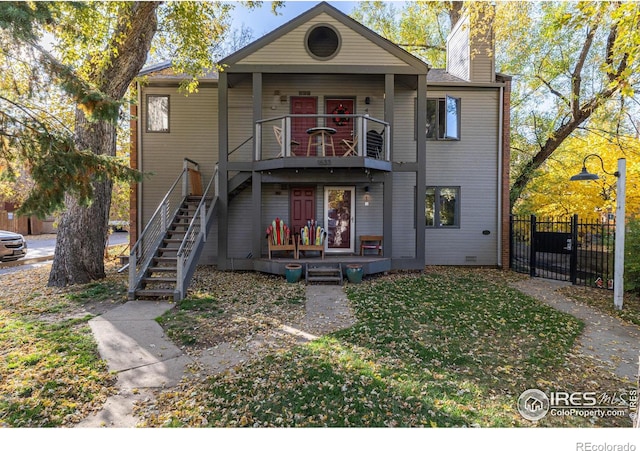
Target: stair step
[158,293]
[160,279]
[324,279]
[325,270]
[162,269]
[324,274]
[165,259]
[171,240]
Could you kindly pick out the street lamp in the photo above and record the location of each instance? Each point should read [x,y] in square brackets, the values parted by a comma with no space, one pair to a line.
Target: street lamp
[621,174]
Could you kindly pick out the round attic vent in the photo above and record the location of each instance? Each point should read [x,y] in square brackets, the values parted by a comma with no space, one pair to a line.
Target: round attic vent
[322,42]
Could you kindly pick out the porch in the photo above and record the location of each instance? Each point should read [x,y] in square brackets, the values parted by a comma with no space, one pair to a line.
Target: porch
[322,140]
[371,264]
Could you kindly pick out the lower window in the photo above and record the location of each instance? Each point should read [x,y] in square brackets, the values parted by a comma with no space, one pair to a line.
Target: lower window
[442,206]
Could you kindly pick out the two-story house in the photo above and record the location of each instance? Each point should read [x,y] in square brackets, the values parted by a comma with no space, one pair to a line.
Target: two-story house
[324,120]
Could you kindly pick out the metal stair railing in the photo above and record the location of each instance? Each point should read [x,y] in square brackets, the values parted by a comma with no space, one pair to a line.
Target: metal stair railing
[196,235]
[151,237]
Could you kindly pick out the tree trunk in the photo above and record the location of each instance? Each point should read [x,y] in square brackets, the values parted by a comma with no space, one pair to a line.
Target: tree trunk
[82,233]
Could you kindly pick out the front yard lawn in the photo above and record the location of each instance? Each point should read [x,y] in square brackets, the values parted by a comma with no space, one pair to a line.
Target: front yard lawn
[449,347]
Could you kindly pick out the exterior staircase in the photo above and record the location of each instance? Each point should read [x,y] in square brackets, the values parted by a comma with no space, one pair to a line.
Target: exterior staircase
[324,273]
[161,276]
[163,260]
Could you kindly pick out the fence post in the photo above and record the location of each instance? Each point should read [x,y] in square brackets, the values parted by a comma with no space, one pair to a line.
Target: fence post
[510,241]
[532,256]
[573,260]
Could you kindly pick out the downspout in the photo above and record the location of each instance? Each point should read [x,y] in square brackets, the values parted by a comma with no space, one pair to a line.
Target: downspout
[500,169]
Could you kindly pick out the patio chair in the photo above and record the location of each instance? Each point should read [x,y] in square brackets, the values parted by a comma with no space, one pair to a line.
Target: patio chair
[279,238]
[351,146]
[374,144]
[278,132]
[311,238]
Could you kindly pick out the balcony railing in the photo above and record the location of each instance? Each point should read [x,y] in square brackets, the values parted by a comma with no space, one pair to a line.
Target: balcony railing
[301,135]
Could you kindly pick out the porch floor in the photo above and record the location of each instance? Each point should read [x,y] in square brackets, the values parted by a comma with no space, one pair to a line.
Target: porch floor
[371,264]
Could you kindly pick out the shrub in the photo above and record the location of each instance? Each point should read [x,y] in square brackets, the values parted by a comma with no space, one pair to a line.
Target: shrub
[632,256]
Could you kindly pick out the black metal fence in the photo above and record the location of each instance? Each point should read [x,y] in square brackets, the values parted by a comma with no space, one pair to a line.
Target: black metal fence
[580,251]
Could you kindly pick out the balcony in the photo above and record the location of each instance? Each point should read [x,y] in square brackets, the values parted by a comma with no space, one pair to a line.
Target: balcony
[321,141]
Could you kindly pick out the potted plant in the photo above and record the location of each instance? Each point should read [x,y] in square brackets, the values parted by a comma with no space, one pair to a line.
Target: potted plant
[354,273]
[293,271]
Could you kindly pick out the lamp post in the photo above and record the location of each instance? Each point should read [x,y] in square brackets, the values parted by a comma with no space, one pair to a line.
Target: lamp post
[621,193]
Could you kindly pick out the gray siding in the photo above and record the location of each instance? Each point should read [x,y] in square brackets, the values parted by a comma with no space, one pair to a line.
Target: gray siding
[482,60]
[275,204]
[239,233]
[404,126]
[193,134]
[241,121]
[369,218]
[404,232]
[458,50]
[471,164]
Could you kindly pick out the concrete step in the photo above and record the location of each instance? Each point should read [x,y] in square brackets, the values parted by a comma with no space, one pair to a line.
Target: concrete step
[324,274]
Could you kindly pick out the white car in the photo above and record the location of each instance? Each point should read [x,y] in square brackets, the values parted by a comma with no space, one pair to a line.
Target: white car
[12,246]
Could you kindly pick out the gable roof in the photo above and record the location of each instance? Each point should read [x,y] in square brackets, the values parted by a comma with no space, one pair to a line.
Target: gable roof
[416,64]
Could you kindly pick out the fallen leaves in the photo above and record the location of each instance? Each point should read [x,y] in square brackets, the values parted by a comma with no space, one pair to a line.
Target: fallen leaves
[446,348]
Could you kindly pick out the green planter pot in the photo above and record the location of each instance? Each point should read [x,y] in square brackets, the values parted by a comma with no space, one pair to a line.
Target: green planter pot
[293,273]
[354,273]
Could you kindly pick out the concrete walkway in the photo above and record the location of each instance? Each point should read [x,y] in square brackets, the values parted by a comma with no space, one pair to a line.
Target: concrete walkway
[604,337]
[135,347]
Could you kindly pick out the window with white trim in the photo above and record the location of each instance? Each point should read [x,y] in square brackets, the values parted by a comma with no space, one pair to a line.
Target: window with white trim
[443,118]
[442,206]
[157,113]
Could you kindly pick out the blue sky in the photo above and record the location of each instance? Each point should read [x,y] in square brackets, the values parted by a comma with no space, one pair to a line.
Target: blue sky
[263,21]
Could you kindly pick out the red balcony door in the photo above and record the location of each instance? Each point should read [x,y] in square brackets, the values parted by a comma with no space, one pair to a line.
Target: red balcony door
[299,126]
[303,206]
[344,126]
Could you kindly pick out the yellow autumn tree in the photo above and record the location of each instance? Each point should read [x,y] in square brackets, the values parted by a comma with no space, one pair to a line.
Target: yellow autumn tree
[551,193]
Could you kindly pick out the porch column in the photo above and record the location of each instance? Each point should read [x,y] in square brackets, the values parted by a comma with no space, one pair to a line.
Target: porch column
[256,180]
[223,176]
[421,174]
[387,195]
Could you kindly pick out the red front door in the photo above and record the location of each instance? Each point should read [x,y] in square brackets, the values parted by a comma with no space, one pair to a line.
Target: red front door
[299,126]
[344,126]
[303,206]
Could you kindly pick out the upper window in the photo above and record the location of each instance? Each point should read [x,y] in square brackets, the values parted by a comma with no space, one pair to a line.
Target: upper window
[442,206]
[443,118]
[158,113]
[322,42]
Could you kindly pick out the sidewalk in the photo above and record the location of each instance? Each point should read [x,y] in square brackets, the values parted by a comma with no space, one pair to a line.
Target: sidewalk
[135,347]
[603,337]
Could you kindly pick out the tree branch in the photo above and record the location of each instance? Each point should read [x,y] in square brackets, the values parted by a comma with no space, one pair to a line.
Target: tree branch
[554,91]
[424,46]
[576,76]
